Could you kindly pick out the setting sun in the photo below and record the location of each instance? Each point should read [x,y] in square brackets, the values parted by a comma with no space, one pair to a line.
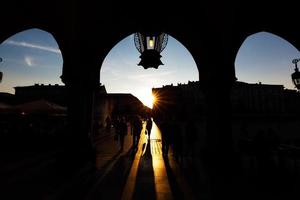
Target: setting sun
[147,99]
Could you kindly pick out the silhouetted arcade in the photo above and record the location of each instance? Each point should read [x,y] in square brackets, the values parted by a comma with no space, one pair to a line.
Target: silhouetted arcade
[146,159]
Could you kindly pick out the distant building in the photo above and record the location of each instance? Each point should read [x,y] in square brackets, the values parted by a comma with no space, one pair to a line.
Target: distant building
[257,98]
[104,104]
[116,104]
[246,98]
[125,104]
[182,100]
[292,102]
[7,98]
[54,93]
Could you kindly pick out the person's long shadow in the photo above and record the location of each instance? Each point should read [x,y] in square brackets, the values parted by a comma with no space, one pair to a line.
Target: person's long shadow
[110,160]
[177,193]
[111,184]
[145,182]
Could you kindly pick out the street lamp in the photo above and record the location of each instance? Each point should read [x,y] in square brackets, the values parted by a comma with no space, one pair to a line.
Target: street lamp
[296,74]
[150,45]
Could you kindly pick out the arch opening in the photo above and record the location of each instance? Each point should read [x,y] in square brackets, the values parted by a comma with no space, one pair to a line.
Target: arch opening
[120,66]
[32,97]
[267,58]
[265,103]
[30,57]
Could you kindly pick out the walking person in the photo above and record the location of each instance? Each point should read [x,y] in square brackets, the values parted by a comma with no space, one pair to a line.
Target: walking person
[191,136]
[175,129]
[166,137]
[149,127]
[122,132]
[136,128]
[108,123]
[116,125]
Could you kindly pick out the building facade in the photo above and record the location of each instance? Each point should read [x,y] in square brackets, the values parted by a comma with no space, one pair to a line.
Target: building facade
[104,104]
[181,100]
[246,98]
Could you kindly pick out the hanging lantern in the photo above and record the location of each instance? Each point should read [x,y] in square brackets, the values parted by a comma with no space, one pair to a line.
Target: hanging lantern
[296,75]
[150,46]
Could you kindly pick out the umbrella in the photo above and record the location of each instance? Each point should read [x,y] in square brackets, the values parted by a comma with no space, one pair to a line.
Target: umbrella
[40,107]
[5,108]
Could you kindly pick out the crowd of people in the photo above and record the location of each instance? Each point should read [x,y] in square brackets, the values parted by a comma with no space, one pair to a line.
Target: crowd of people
[181,135]
[31,132]
[125,124]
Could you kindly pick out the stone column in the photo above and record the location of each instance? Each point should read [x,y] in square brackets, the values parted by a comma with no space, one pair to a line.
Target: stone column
[81,77]
[216,72]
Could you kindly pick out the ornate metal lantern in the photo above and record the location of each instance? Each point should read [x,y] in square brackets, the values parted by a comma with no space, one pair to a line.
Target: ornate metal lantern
[150,46]
[296,75]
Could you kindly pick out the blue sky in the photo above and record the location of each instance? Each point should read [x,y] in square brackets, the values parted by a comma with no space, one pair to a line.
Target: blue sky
[33,56]
[266,58]
[30,57]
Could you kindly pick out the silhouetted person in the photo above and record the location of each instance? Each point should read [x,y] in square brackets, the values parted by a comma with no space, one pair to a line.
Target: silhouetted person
[273,139]
[136,128]
[244,140]
[175,130]
[116,124]
[273,144]
[263,153]
[166,137]
[108,123]
[191,136]
[122,132]
[149,127]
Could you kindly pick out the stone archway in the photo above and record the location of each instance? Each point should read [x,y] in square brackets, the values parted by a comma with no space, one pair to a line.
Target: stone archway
[264,87]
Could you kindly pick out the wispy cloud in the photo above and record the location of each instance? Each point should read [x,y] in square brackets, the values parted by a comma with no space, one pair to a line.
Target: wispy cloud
[34,46]
[150,76]
[29,61]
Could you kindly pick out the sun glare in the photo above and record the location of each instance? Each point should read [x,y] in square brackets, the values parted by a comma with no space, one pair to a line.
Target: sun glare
[148,100]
